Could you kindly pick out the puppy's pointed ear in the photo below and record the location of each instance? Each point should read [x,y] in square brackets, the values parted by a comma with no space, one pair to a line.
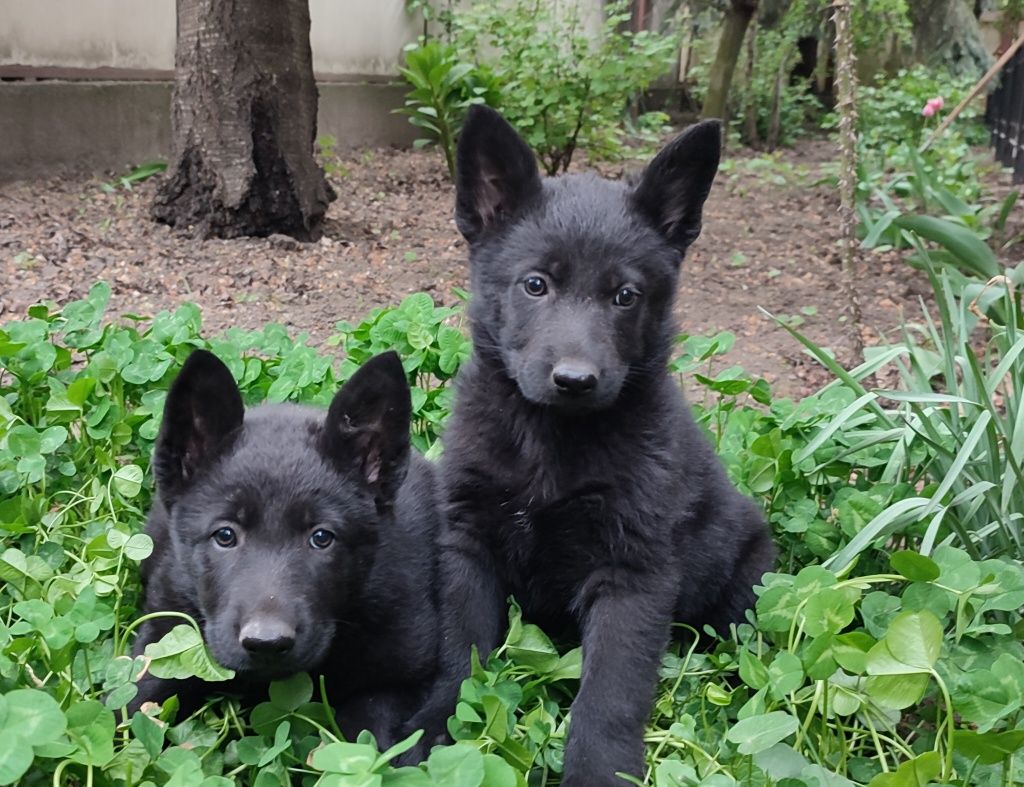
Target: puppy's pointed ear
[675,184]
[366,433]
[496,173]
[203,407]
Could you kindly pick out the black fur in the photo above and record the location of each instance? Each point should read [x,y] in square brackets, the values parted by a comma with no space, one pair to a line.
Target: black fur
[576,478]
[361,610]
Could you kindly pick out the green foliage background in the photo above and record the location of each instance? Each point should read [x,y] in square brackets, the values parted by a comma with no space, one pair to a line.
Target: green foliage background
[562,79]
[886,651]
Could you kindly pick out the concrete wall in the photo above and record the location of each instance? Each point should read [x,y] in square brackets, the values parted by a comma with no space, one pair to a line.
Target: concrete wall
[51,127]
[347,36]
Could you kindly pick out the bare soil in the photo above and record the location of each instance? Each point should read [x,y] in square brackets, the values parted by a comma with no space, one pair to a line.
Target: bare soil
[769,240]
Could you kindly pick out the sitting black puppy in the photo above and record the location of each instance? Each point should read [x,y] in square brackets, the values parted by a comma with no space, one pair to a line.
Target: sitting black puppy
[299,541]
[576,478]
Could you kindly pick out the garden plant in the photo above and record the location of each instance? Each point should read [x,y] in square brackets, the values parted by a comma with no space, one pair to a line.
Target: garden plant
[562,92]
[886,649]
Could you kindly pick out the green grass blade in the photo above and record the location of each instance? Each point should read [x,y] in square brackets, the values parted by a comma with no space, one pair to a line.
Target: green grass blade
[832,365]
[833,426]
[902,511]
[978,431]
[972,252]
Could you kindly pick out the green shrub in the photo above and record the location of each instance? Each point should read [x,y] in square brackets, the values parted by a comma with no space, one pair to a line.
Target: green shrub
[896,178]
[900,670]
[890,110]
[874,20]
[894,175]
[563,84]
[887,220]
[954,433]
[769,84]
[443,88]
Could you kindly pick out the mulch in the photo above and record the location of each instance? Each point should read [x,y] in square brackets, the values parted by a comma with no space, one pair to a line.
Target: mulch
[770,240]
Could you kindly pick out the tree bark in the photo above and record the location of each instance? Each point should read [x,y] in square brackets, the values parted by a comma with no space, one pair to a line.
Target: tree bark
[753,139]
[737,19]
[821,70]
[775,119]
[244,122]
[946,34]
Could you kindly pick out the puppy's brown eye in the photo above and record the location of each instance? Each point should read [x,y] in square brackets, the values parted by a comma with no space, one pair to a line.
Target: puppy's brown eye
[225,537]
[626,297]
[535,286]
[321,539]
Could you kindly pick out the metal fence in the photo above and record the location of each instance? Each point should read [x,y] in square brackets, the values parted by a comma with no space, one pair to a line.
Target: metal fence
[1005,116]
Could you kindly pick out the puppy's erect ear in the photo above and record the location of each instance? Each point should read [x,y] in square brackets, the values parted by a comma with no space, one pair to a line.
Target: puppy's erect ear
[366,433]
[203,407]
[675,184]
[496,173]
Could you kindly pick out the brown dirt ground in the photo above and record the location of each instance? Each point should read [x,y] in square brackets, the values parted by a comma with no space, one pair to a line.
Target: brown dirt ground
[769,240]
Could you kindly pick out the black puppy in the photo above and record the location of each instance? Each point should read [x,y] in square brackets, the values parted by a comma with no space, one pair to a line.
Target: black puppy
[576,478]
[299,541]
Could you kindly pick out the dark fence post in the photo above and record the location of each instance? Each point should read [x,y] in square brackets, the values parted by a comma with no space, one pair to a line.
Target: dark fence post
[1004,114]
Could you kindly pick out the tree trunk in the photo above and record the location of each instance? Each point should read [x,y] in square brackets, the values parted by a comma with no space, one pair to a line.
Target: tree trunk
[753,139]
[824,52]
[946,34]
[775,119]
[737,18]
[244,122]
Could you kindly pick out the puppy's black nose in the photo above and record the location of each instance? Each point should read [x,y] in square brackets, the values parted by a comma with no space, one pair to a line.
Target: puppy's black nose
[267,636]
[574,378]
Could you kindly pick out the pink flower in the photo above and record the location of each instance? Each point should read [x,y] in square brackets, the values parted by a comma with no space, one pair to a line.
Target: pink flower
[929,110]
[938,102]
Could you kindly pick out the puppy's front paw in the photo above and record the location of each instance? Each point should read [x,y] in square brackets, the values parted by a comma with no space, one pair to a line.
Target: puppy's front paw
[597,767]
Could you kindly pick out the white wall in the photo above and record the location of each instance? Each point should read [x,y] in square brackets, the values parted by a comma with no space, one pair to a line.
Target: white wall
[359,36]
[348,36]
[87,33]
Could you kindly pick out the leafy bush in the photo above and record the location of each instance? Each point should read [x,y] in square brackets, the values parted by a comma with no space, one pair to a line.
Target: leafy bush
[943,180]
[895,177]
[890,110]
[782,109]
[443,88]
[824,466]
[900,670]
[885,220]
[962,445]
[876,19]
[563,85]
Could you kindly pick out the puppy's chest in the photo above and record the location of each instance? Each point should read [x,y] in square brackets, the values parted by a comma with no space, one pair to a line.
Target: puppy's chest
[547,552]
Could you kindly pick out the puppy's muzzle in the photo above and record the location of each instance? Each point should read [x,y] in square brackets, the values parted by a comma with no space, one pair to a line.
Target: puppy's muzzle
[267,636]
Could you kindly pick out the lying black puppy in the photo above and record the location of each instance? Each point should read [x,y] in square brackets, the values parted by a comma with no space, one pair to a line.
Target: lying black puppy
[576,477]
[299,541]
